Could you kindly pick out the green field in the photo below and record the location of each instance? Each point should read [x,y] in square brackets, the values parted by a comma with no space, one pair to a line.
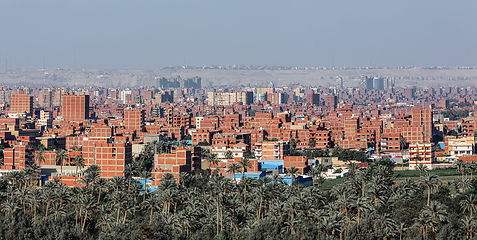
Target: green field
[330,183]
[415,173]
[444,174]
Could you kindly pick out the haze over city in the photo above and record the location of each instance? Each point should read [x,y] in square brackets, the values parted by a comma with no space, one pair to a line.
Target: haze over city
[155,34]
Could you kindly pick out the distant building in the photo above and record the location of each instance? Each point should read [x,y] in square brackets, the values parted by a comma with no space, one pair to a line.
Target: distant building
[45,98]
[339,83]
[277,98]
[134,119]
[21,103]
[178,82]
[229,98]
[378,83]
[75,107]
[367,83]
[331,101]
[313,99]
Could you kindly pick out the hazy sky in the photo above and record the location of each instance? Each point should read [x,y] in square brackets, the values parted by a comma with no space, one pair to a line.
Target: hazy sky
[148,34]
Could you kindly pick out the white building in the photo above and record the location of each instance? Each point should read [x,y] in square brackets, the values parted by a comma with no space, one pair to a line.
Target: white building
[421,153]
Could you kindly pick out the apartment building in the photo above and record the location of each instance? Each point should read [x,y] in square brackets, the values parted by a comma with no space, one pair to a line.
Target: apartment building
[421,153]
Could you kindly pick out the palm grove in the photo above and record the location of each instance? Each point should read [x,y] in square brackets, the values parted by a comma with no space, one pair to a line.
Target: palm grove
[369,204]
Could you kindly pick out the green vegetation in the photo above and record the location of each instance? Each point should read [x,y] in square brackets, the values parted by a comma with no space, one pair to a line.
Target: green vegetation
[330,183]
[346,155]
[187,137]
[204,144]
[270,140]
[455,114]
[367,204]
[415,173]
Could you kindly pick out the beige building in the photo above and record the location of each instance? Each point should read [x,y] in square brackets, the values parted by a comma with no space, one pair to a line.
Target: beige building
[229,98]
[460,147]
[275,150]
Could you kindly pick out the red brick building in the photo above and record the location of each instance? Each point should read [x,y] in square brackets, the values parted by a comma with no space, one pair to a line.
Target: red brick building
[75,107]
[21,103]
[134,119]
[313,99]
[110,157]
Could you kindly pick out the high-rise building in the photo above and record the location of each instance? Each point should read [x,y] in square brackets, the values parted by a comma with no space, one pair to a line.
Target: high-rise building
[423,118]
[5,96]
[21,103]
[378,83]
[313,98]
[367,83]
[75,107]
[229,98]
[339,83]
[56,98]
[277,98]
[409,93]
[45,98]
[178,82]
[331,101]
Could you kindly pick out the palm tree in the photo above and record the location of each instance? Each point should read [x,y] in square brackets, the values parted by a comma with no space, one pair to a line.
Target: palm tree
[292,171]
[430,181]
[422,168]
[459,166]
[40,156]
[129,171]
[352,168]
[87,203]
[317,174]
[23,194]
[426,221]
[219,185]
[212,159]
[469,204]
[438,211]
[152,202]
[312,143]
[364,176]
[9,207]
[244,164]
[33,172]
[145,175]
[402,146]
[362,204]
[101,184]
[229,155]
[79,163]
[233,168]
[58,209]
[468,223]
[472,167]
[401,229]
[61,157]
[116,182]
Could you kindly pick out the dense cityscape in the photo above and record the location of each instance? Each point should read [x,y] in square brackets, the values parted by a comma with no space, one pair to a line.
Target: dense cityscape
[182,161]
